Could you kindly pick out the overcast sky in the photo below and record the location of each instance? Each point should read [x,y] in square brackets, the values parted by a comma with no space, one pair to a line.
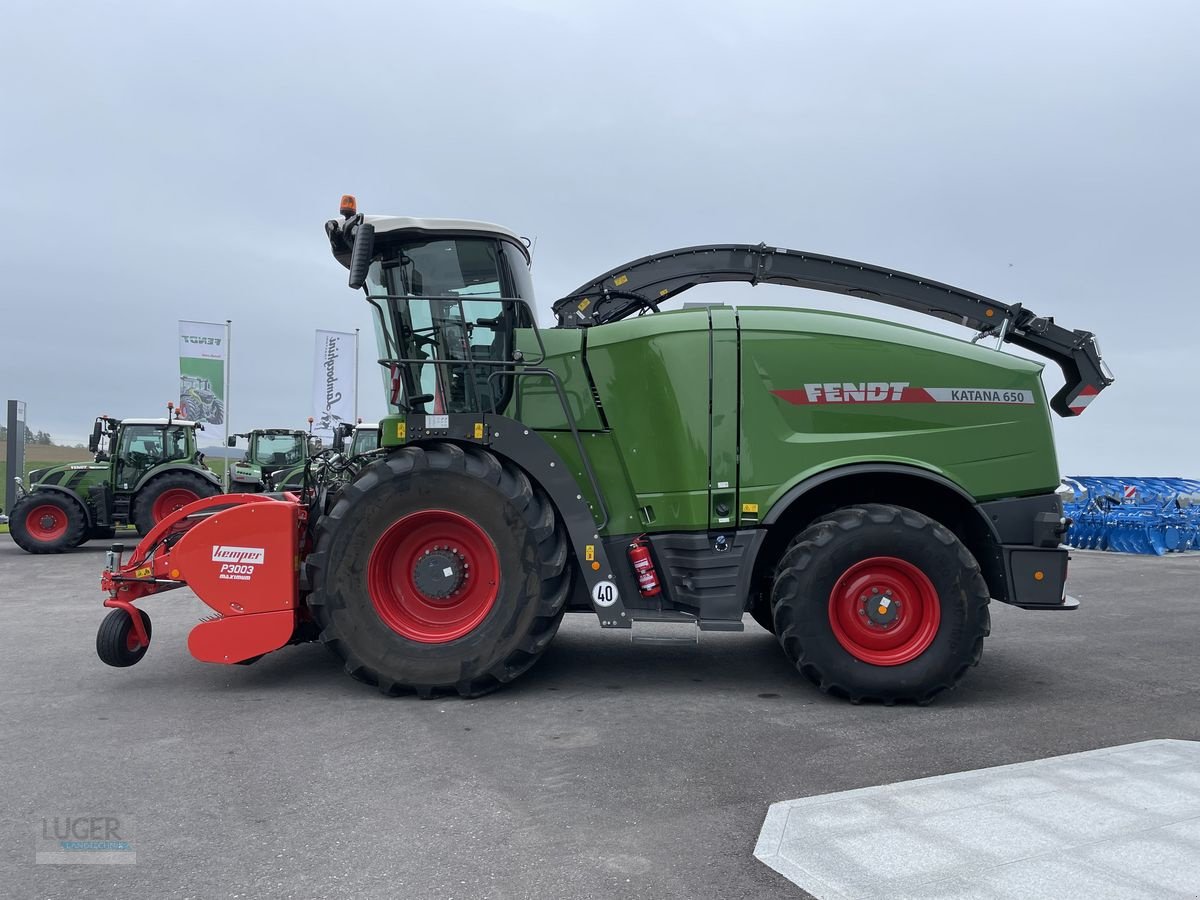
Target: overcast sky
[175,160]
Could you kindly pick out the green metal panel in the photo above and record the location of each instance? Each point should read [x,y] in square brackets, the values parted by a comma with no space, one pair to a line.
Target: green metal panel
[652,377]
[990,448]
[79,477]
[723,477]
[536,402]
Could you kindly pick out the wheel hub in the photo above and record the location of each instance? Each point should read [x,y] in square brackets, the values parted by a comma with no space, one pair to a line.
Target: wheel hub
[47,522]
[881,608]
[440,572]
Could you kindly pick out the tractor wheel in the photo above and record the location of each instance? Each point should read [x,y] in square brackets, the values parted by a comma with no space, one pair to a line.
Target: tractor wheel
[117,643]
[878,602]
[47,522]
[440,568]
[167,493]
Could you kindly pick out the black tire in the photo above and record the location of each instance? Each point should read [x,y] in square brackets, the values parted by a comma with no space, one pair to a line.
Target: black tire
[760,606]
[114,637]
[760,612]
[69,532]
[534,575]
[826,550]
[143,503]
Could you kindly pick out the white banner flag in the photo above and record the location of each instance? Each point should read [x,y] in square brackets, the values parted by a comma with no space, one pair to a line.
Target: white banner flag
[333,383]
[202,352]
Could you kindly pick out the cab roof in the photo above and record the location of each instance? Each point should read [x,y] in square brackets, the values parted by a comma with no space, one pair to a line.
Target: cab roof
[399,224]
[186,422]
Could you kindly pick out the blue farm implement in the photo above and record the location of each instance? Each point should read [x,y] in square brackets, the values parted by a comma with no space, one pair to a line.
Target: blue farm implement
[1133,515]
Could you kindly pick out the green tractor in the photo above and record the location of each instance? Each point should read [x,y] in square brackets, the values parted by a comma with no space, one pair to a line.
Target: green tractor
[270,454]
[142,471]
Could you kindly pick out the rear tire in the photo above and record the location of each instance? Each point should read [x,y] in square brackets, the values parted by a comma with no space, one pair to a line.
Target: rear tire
[47,522]
[439,568]
[877,602]
[167,493]
[117,644]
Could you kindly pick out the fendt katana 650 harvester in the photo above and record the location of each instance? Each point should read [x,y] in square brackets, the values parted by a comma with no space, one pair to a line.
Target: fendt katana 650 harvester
[861,488]
[142,471]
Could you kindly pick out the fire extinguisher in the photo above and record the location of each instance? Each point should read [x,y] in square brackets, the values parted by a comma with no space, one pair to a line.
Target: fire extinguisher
[643,567]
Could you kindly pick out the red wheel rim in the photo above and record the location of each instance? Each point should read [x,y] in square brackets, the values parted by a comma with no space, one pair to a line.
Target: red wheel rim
[412,610]
[884,611]
[46,522]
[132,644]
[170,500]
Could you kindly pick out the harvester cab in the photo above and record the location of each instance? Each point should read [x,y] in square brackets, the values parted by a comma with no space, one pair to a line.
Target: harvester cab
[269,451]
[862,489]
[142,471]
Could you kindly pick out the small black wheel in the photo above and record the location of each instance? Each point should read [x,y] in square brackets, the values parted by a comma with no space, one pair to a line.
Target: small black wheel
[166,493]
[441,568]
[878,602]
[117,642]
[47,522]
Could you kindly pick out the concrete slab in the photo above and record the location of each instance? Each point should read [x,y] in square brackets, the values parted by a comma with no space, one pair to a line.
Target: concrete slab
[1118,822]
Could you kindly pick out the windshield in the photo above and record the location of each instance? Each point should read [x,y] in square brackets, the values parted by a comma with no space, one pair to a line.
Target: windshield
[365,440]
[277,449]
[446,305]
[145,446]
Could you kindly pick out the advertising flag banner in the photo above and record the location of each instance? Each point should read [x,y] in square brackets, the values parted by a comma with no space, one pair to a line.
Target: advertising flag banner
[203,350]
[333,383]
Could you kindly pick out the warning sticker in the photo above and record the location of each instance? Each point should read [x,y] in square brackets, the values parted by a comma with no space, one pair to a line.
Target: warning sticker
[898,392]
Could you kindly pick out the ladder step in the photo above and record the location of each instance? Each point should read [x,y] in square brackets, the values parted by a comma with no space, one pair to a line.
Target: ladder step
[660,631]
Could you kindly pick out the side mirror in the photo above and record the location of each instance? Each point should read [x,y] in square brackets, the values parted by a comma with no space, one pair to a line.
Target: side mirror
[339,442]
[232,442]
[94,440]
[360,254]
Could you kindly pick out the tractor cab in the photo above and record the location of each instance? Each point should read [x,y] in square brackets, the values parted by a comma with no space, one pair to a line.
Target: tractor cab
[269,451]
[449,296]
[142,445]
[365,439]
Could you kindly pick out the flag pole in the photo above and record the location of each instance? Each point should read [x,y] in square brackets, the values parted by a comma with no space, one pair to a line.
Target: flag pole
[228,366]
[356,376]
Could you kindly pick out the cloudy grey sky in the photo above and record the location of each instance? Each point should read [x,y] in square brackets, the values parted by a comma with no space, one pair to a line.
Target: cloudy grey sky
[178,159]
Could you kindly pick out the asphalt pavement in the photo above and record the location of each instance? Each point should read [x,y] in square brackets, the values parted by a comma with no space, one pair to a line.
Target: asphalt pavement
[611,769]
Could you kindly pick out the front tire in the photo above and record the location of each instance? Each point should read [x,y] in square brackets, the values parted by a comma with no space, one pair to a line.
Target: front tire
[47,522]
[165,494]
[117,643]
[440,568]
[878,602]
